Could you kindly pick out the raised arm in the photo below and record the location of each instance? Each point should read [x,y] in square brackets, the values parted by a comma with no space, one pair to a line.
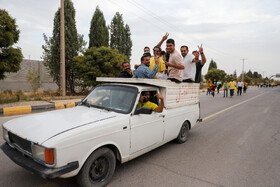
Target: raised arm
[163,39]
[203,58]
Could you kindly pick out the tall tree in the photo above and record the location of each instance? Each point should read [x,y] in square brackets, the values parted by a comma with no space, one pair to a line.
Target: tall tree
[249,74]
[128,41]
[120,35]
[234,74]
[212,65]
[74,44]
[10,57]
[98,33]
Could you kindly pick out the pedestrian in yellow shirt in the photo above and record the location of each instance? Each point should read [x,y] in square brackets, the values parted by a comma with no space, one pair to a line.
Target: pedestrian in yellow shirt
[232,86]
[209,83]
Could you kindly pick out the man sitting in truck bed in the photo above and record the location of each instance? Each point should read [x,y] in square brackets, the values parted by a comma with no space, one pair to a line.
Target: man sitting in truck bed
[144,101]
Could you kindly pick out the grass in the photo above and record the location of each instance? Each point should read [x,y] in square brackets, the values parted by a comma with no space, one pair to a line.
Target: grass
[9,96]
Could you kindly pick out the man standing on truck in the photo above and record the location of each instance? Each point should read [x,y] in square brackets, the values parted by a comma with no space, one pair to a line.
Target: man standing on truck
[200,63]
[126,73]
[189,63]
[144,101]
[175,64]
[143,70]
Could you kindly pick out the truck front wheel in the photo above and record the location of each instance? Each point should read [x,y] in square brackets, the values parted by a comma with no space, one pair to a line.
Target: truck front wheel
[98,169]
[183,134]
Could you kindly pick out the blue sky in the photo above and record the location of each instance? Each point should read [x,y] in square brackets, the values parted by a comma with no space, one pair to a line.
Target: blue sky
[228,29]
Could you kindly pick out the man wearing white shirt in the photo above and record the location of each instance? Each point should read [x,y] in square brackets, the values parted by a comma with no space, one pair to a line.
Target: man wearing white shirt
[189,63]
[240,86]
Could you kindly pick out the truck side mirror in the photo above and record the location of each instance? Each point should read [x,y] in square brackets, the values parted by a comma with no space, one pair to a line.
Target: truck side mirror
[143,110]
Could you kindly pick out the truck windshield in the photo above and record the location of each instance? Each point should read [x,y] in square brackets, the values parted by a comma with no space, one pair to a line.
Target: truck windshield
[110,97]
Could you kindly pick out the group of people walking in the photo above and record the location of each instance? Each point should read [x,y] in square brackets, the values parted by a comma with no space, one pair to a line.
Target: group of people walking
[169,64]
[226,86]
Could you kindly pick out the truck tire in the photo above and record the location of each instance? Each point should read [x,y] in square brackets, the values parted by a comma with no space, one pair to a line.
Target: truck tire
[98,169]
[183,134]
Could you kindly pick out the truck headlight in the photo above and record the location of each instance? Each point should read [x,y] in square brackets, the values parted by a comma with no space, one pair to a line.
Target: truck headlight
[43,154]
[5,134]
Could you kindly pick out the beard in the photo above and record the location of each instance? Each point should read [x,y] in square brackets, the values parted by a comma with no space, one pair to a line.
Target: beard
[145,100]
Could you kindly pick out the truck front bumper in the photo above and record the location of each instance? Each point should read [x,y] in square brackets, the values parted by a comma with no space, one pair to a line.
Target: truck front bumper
[31,165]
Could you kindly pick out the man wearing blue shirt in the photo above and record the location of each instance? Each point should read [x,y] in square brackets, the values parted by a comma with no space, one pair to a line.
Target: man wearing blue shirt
[143,70]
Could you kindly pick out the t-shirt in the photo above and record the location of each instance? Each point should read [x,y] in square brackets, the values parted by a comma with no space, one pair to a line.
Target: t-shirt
[175,58]
[198,71]
[148,104]
[190,67]
[161,65]
[219,84]
[125,74]
[232,85]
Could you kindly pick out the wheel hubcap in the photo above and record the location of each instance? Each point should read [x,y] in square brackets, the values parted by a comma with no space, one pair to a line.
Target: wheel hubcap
[99,169]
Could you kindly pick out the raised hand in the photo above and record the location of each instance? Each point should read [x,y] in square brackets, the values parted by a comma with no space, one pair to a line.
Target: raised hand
[200,49]
[165,36]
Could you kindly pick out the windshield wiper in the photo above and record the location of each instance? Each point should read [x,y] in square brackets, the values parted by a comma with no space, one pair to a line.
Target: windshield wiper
[85,103]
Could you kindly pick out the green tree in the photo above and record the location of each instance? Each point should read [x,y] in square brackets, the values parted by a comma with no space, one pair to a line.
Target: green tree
[120,35]
[212,65]
[249,74]
[256,75]
[215,74]
[97,62]
[98,33]
[128,41]
[234,74]
[33,78]
[10,57]
[74,44]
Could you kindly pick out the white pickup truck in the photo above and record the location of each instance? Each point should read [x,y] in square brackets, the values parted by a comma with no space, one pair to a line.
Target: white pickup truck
[107,126]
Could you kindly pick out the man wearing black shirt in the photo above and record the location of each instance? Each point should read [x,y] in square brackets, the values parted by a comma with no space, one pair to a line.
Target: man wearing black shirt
[126,73]
[200,63]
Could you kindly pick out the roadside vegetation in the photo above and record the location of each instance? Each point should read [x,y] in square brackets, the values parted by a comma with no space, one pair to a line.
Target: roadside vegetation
[9,96]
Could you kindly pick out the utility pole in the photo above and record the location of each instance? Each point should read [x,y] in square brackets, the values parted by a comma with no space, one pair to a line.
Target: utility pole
[62,51]
[243,59]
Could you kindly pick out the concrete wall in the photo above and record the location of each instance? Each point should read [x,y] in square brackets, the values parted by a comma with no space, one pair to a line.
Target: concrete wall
[17,81]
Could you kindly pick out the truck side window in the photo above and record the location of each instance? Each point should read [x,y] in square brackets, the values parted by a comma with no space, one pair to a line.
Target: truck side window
[152,98]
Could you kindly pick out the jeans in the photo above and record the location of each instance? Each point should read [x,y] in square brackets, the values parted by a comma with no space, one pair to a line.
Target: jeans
[225,92]
[239,90]
[231,91]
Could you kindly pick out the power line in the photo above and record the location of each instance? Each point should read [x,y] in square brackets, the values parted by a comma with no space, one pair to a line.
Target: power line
[155,16]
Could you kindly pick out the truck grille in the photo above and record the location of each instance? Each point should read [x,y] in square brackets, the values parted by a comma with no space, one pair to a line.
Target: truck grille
[20,142]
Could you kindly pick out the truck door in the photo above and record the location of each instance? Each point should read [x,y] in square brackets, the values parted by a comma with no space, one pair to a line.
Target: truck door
[146,130]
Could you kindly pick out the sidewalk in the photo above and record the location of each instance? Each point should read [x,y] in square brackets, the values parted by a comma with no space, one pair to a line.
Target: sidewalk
[33,106]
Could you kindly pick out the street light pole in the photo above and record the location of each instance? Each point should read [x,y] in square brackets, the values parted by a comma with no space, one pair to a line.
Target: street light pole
[62,51]
[243,68]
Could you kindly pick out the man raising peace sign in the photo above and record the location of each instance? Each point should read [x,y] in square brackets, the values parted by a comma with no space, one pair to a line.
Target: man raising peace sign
[200,63]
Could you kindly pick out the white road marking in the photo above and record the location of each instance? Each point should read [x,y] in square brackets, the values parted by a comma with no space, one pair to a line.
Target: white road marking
[222,111]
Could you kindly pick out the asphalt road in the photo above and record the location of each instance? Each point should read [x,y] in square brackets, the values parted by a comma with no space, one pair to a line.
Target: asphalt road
[237,144]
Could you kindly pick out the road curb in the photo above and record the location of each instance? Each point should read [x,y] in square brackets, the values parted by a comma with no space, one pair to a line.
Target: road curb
[35,108]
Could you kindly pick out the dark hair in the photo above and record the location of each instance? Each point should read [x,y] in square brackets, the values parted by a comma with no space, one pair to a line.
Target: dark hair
[157,47]
[145,55]
[170,41]
[185,47]
[146,47]
[124,63]
[194,52]
[162,53]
